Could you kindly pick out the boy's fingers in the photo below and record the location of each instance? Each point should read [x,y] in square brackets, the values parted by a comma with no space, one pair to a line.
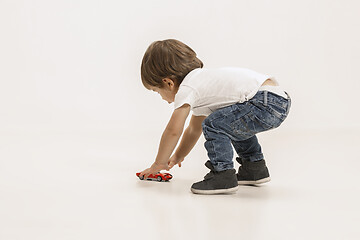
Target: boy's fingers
[179,164]
[144,174]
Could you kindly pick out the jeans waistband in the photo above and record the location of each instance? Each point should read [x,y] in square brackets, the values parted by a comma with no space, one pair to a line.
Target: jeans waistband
[274,89]
[264,95]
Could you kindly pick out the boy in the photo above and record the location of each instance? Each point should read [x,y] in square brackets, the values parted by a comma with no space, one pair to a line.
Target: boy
[230,106]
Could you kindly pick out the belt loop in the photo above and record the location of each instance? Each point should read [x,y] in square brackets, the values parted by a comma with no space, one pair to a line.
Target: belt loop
[265,98]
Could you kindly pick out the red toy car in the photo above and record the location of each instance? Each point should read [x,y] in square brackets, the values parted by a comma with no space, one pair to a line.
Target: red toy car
[158,177]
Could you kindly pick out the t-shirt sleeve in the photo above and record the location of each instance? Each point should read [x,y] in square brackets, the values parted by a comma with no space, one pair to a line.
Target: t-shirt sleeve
[185,95]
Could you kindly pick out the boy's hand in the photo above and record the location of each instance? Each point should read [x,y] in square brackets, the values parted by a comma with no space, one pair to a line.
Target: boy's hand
[175,160]
[154,169]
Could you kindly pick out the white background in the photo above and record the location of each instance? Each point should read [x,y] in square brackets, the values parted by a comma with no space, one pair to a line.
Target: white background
[76,122]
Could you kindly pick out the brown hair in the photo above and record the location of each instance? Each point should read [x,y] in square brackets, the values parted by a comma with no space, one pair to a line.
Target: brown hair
[167,59]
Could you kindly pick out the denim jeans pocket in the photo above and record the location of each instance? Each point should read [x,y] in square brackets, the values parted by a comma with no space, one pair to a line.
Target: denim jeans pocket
[278,106]
[277,111]
[250,124]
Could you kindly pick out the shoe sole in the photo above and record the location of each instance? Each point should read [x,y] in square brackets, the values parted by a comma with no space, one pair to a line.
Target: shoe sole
[260,181]
[216,191]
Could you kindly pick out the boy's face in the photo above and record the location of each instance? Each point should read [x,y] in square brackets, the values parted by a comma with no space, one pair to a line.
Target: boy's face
[168,91]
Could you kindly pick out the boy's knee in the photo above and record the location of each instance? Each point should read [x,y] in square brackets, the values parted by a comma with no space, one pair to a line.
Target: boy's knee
[204,125]
[208,127]
[208,123]
[205,122]
[211,119]
[213,125]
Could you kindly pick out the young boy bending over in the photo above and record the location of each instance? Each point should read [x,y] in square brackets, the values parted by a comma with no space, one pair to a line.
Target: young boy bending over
[229,105]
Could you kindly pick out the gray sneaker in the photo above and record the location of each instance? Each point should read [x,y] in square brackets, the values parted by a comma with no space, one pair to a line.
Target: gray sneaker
[216,182]
[251,173]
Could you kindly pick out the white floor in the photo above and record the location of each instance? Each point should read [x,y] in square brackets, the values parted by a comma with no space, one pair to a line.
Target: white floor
[82,185]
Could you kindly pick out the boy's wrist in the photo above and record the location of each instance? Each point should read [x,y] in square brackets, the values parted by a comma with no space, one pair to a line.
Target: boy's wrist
[179,156]
[159,166]
[158,162]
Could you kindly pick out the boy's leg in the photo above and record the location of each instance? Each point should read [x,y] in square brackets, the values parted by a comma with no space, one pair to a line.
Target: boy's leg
[239,123]
[218,146]
[253,169]
[222,177]
[267,111]
[249,149]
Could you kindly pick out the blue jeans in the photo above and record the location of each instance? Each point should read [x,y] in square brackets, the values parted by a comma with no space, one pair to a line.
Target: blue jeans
[237,125]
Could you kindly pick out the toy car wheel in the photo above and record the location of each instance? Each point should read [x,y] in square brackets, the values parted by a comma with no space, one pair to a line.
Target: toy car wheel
[141,177]
[159,179]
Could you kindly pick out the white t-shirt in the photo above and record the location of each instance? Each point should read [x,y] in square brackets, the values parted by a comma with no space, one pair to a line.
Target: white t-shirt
[207,90]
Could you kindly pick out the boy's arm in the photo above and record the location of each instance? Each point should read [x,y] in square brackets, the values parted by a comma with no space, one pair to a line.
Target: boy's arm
[188,141]
[168,141]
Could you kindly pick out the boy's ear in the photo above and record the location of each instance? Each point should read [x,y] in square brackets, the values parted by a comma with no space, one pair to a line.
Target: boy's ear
[168,82]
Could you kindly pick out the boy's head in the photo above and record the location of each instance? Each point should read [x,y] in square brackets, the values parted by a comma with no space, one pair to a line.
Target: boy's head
[167,60]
